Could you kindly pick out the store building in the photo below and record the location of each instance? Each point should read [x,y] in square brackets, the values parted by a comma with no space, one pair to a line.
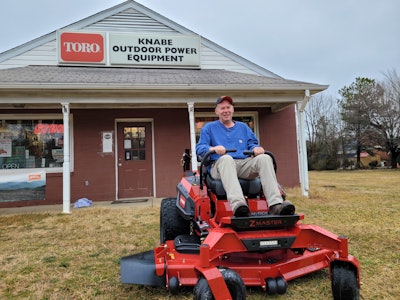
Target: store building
[104,108]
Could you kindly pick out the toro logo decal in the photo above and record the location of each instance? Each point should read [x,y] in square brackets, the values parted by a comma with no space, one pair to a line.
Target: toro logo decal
[81,47]
[182,201]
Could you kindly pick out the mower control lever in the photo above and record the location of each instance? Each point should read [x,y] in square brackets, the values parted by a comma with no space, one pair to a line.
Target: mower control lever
[250,152]
[204,160]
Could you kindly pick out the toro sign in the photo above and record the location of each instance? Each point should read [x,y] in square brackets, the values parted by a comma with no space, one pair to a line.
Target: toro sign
[81,47]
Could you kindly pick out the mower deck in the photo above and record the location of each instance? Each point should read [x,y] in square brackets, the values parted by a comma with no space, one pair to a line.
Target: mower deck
[281,251]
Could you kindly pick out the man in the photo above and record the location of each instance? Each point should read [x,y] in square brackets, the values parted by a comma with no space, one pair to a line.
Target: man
[225,133]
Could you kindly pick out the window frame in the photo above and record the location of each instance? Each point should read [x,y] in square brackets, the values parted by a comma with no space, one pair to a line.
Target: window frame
[253,114]
[14,117]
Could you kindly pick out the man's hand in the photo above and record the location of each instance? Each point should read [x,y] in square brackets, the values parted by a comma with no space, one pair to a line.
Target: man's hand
[220,150]
[258,151]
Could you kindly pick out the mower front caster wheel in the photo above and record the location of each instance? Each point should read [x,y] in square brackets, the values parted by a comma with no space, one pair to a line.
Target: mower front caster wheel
[344,283]
[275,286]
[234,282]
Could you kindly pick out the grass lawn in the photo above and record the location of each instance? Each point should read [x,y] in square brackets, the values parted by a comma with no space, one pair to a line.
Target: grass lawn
[51,255]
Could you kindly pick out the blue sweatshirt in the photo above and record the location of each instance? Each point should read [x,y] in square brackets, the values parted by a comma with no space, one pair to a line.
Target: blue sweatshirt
[239,137]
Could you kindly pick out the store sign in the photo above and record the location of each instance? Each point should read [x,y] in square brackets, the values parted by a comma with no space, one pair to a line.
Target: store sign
[129,49]
[79,47]
[154,50]
[44,128]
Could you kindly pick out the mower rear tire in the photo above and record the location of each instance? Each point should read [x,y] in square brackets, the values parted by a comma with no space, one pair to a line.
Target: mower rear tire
[171,222]
[344,283]
[234,282]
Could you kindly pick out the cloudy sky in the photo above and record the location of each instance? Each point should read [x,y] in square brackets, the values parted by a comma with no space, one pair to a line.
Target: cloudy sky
[325,42]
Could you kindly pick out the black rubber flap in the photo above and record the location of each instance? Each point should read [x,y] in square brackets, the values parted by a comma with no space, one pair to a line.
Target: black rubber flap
[140,269]
[187,244]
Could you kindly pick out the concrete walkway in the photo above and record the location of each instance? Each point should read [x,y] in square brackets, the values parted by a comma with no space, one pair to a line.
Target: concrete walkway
[151,202]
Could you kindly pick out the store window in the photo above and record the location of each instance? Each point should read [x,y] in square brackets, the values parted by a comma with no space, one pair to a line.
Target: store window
[31,143]
[250,118]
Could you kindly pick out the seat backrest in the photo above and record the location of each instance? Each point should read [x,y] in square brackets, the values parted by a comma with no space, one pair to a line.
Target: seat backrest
[250,187]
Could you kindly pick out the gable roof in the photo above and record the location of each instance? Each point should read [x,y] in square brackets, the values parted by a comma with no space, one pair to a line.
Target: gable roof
[31,68]
[131,16]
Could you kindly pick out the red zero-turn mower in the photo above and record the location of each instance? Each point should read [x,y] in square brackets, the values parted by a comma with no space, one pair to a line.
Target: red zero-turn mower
[203,245]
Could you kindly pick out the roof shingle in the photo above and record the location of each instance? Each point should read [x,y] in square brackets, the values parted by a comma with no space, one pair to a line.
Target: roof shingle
[70,75]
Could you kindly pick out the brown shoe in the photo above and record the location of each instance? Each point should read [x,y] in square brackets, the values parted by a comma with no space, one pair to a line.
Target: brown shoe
[242,211]
[285,208]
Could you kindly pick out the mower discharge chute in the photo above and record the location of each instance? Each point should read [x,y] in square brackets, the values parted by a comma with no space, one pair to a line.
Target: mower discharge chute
[203,245]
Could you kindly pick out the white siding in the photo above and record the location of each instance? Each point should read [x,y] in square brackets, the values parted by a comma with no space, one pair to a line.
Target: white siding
[130,20]
[42,55]
[211,59]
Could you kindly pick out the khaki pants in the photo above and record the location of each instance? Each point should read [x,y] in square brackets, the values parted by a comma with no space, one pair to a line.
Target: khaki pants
[229,170]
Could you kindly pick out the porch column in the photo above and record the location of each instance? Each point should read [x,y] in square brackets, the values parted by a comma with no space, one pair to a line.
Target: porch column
[66,163]
[302,147]
[192,135]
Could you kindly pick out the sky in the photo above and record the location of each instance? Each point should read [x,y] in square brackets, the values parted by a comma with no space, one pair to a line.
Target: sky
[323,42]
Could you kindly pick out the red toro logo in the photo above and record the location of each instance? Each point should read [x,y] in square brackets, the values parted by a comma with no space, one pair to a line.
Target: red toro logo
[182,201]
[34,177]
[82,47]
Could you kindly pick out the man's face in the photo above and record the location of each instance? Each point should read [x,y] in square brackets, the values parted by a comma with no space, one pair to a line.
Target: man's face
[224,111]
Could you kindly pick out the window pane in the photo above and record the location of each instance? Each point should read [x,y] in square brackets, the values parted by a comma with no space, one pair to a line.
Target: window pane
[134,140]
[31,144]
[201,121]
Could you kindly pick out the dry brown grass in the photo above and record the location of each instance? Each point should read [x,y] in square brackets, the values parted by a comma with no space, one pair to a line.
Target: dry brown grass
[55,256]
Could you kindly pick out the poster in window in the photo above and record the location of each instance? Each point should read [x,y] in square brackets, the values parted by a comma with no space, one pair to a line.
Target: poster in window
[5,147]
[58,154]
[127,144]
[17,186]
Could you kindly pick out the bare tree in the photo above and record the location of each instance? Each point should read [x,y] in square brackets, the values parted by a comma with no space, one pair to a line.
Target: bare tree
[385,115]
[321,125]
[371,112]
[367,114]
[393,80]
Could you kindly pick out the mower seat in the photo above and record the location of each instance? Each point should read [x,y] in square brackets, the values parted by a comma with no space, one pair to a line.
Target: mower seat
[250,187]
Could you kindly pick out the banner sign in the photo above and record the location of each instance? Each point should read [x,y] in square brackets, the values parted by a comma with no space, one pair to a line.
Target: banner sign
[27,185]
[129,49]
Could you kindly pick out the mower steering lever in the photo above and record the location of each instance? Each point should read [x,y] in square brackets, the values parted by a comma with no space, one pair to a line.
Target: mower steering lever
[251,152]
[205,159]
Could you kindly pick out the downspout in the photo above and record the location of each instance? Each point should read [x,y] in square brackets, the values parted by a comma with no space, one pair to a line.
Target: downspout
[302,147]
[66,163]
[192,135]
